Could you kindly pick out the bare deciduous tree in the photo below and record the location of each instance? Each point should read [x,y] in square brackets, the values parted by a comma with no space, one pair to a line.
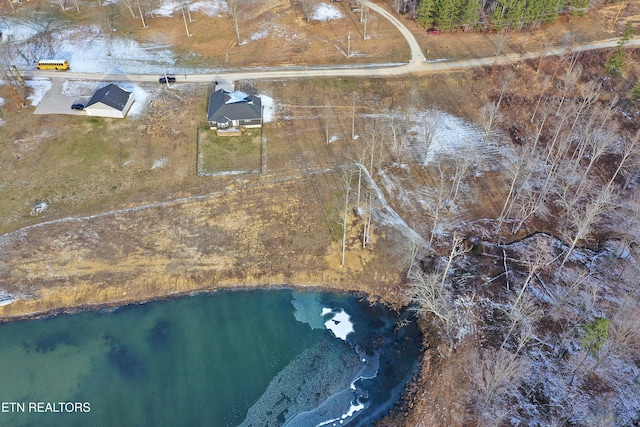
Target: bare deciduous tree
[343,211]
[366,229]
[374,145]
[327,120]
[428,128]
[569,81]
[431,295]
[521,308]
[130,5]
[631,147]
[582,219]
[144,23]
[308,7]
[440,197]
[462,163]
[105,25]
[501,40]
[496,372]
[234,8]
[354,97]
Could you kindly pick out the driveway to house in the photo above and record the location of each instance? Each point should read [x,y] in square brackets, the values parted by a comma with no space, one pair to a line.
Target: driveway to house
[56,102]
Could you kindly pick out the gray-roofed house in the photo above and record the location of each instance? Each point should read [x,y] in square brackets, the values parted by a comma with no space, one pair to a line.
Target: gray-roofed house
[109,101]
[234,110]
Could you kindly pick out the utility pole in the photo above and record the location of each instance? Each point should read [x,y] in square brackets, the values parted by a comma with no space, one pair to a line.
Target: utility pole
[349,45]
[184,18]
[366,18]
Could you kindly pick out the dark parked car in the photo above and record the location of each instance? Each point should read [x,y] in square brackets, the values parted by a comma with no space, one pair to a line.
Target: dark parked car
[77,106]
[169,79]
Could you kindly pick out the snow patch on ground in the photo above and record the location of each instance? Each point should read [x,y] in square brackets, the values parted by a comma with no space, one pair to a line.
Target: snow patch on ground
[160,163]
[38,89]
[259,35]
[17,30]
[450,136]
[326,12]
[140,95]
[278,31]
[209,8]
[86,49]
[79,88]
[268,108]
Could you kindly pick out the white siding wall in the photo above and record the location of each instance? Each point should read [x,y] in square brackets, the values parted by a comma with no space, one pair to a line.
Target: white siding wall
[101,110]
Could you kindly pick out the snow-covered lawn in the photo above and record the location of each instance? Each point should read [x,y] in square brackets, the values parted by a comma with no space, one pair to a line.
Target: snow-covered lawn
[274,30]
[326,12]
[38,90]
[268,108]
[87,50]
[209,8]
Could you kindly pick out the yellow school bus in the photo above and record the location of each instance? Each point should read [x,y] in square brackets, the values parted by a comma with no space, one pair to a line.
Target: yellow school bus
[53,64]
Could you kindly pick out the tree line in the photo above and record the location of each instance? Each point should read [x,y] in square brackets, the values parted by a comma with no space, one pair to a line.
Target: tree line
[455,15]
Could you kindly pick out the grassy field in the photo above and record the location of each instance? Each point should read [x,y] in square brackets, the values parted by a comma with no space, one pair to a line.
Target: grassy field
[229,154]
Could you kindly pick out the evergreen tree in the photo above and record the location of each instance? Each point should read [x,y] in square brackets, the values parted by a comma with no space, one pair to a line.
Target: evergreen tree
[498,20]
[470,14]
[595,336]
[446,13]
[514,14]
[424,14]
[540,11]
[614,65]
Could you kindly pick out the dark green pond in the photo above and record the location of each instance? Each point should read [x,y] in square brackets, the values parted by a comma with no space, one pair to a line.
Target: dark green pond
[251,358]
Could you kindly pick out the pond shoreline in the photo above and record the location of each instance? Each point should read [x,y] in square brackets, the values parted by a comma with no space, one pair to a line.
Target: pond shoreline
[114,305]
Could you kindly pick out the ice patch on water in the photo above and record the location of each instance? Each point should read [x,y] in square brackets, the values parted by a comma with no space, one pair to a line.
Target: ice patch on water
[340,324]
[313,388]
[340,421]
[307,306]
[340,408]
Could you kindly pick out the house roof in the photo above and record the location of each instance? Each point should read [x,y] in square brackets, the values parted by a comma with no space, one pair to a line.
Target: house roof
[110,95]
[226,106]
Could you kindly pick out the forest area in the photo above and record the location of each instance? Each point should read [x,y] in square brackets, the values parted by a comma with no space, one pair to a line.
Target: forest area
[537,308]
[491,15]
